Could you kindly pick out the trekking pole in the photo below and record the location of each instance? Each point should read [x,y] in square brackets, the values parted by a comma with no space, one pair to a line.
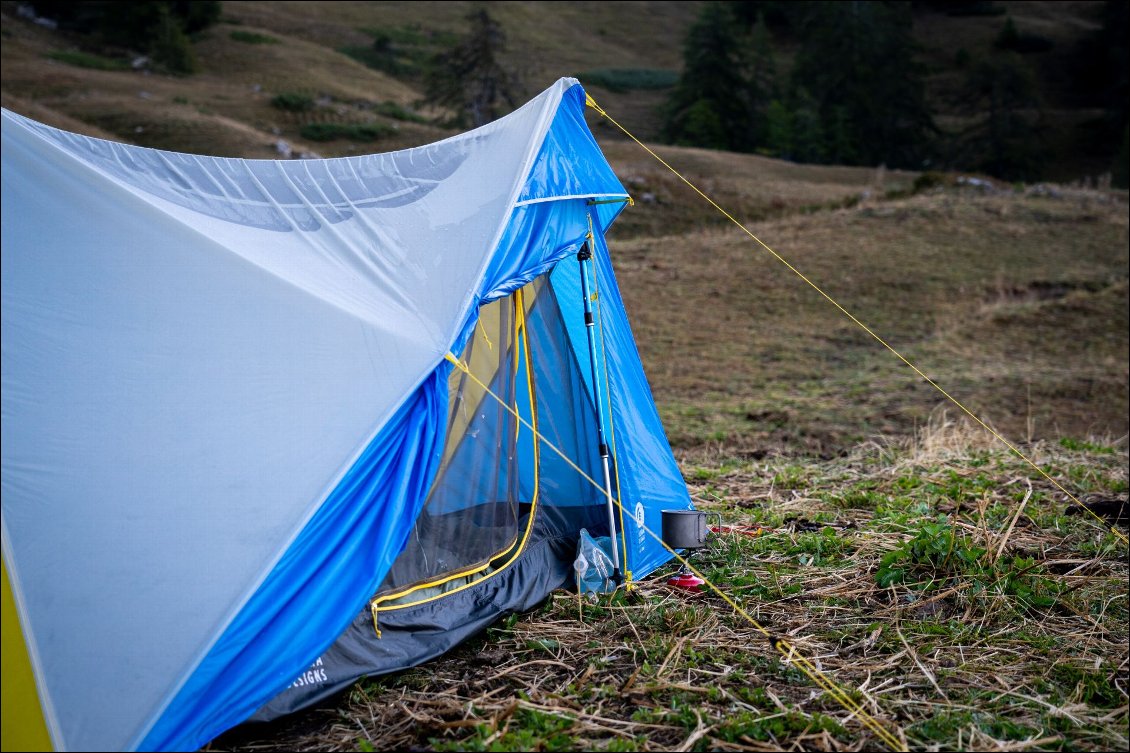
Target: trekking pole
[585,254]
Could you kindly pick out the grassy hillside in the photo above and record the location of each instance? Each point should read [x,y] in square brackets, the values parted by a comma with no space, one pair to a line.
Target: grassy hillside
[1016,302]
[260,50]
[325,50]
[1014,298]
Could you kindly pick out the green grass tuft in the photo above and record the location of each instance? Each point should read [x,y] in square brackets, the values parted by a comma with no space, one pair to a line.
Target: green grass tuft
[354,131]
[89,60]
[293,102]
[398,112]
[629,79]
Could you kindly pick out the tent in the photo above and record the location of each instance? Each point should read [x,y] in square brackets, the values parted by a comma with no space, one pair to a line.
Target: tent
[271,425]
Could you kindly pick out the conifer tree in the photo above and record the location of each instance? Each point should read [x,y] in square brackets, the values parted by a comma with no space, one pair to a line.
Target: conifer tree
[710,106]
[857,62]
[1001,94]
[1102,70]
[808,131]
[778,140]
[762,87]
[160,28]
[470,78]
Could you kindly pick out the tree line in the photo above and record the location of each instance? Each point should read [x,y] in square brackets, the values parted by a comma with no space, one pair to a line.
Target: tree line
[162,29]
[855,92]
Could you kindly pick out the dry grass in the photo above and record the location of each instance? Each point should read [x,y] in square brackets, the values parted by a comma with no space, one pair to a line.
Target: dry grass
[1024,647]
[546,40]
[751,187]
[225,109]
[1015,302]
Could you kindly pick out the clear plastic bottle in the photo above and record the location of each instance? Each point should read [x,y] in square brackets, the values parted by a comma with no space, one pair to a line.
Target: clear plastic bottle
[593,565]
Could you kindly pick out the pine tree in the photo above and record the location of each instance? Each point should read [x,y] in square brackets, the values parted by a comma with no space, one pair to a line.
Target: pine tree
[710,105]
[1120,168]
[808,133]
[857,62]
[160,28]
[1004,140]
[778,140]
[762,87]
[1102,73]
[470,78]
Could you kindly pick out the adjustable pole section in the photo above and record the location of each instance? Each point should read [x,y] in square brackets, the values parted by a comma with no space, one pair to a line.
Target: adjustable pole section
[585,254]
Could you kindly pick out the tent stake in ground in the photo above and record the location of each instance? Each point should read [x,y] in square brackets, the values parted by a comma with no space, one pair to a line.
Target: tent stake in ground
[584,255]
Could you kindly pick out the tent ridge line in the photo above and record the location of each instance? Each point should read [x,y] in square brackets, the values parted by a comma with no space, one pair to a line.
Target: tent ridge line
[545,118]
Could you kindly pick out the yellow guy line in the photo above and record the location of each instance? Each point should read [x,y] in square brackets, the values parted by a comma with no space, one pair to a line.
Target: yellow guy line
[786,649]
[592,103]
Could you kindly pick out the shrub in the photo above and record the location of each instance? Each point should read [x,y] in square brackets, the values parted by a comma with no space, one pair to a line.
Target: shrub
[173,50]
[378,60]
[928,180]
[87,60]
[292,102]
[397,112]
[357,132]
[402,51]
[974,8]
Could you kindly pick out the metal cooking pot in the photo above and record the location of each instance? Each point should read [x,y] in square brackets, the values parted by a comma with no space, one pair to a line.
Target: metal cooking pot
[684,529]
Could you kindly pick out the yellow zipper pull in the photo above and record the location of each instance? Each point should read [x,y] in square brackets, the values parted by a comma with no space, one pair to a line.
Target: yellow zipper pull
[376,627]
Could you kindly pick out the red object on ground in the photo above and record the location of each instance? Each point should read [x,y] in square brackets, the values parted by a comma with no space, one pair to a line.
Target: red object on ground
[686,581]
[744,530]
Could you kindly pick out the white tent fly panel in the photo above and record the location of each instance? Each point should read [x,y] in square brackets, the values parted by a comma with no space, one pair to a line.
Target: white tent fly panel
[233,434]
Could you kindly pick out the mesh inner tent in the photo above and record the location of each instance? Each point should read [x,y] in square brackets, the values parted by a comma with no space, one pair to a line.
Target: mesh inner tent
[494,474]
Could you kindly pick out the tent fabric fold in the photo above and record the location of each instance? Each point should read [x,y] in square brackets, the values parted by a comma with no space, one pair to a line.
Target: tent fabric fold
[225,395]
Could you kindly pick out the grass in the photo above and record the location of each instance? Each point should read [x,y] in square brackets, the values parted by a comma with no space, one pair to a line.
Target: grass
[355,131]
[999,634]
[251,37]
[629,79]
[89,60]
[293,102]
[398,112]
[975,290]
